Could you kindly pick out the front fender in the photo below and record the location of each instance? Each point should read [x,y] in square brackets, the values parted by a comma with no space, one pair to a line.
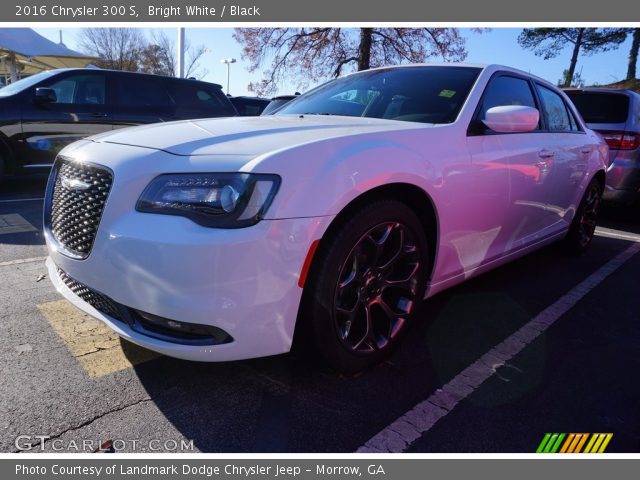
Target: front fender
[321,179]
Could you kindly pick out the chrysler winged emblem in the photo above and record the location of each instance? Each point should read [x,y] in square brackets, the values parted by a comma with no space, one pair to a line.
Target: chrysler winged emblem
[73,183]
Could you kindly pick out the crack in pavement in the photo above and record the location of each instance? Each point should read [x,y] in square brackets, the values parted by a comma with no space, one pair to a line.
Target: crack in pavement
[82,425]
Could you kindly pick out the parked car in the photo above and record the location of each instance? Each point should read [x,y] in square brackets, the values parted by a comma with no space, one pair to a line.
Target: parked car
[330,221]
[41,114]
[277,103]
[615,114]
[249,106]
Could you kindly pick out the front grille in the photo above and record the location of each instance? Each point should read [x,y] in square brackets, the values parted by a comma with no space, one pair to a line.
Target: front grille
[78,196]
[93,298]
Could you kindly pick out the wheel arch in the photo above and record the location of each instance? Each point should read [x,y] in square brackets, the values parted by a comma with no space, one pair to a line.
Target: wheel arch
[411,195]
[600,176]
[414,197]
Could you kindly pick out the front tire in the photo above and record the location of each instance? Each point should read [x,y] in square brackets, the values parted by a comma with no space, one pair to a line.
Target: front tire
[369,278]
[583,226]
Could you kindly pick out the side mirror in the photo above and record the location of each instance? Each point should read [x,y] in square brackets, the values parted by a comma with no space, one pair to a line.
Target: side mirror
[45,95]
[512,119]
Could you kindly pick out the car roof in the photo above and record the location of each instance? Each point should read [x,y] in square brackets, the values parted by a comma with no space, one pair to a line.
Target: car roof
[248,97]
[489,68]
[126,72]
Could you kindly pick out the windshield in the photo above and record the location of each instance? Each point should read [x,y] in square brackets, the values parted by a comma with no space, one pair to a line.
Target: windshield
[20,85]
[413,94]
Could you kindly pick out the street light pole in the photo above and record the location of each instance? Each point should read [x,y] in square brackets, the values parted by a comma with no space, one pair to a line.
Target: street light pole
[228,62]
[181,52]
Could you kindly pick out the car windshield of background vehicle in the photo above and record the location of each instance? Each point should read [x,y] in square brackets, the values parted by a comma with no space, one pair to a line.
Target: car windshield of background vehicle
[413,94]
[25,83]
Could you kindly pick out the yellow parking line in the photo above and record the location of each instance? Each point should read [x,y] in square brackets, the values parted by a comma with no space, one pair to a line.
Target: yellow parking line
[96,347]
[15,223]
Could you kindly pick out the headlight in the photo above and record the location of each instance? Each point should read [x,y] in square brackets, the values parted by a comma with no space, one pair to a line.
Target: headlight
[224,200]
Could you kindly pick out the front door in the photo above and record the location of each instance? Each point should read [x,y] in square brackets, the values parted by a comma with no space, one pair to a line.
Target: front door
[518,164]
[81,110]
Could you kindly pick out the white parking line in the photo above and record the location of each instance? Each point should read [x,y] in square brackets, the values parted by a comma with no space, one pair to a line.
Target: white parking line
[23,260]
[22,200]
[15,223]
[611,233]
[398,436]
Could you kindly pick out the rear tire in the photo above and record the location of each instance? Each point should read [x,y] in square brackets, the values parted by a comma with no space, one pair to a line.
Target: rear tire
[583,226]
[367,282]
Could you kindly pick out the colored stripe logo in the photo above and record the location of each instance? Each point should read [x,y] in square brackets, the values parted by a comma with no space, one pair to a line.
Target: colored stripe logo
[574,443]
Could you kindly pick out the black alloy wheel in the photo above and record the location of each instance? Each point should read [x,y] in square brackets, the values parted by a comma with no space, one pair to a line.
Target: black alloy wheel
[584,223]
[365,286]
[376,288]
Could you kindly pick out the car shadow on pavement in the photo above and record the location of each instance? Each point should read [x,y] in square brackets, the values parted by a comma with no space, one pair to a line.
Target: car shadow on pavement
[288,404]
[626,218]
[282,403]
[21,210]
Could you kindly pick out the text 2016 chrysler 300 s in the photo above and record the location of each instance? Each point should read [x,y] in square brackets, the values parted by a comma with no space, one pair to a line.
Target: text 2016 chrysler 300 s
[219,239]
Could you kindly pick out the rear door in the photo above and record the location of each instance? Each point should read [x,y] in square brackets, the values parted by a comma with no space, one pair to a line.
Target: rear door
[568,146]
[141,99]
[82,109]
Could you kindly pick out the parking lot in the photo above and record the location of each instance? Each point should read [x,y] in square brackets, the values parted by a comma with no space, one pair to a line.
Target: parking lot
[69,379]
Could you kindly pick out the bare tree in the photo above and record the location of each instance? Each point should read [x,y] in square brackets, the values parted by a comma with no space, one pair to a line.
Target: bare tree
[312,54]
[128,49]
[163,54]
[193,56]
[117,48]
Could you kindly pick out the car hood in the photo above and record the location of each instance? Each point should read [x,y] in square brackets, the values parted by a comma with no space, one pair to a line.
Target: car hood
[246,135]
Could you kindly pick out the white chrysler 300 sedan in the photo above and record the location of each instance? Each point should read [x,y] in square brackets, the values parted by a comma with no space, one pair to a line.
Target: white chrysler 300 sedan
[332,220]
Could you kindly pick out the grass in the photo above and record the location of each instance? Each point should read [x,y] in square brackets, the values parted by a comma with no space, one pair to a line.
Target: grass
[624,84]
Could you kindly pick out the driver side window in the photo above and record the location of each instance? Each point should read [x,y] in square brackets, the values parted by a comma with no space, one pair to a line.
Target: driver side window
[80,90]
[505,90]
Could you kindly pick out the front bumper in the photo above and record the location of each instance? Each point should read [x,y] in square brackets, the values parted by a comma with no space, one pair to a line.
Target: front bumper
[242,281]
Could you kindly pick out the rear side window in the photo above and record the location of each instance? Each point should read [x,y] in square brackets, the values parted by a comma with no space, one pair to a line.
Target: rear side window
[200,97]
[506,90]
[558,119]
[143,91]
[601,107]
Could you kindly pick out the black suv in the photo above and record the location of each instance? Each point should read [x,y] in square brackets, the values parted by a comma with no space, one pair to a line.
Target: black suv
[249,106]
[41,114]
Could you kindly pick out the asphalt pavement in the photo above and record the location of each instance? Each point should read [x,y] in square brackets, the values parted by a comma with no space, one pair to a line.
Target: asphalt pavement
[68,384]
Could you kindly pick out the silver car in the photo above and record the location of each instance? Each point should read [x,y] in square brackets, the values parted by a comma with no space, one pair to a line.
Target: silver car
[615,114]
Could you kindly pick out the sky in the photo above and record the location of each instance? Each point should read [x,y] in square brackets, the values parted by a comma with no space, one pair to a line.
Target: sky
[498,45]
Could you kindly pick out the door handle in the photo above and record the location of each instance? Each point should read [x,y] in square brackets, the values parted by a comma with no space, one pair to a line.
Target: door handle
[546,154]
[98,115]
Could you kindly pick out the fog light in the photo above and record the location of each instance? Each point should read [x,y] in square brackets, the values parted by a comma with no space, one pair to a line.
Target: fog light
[178,332]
